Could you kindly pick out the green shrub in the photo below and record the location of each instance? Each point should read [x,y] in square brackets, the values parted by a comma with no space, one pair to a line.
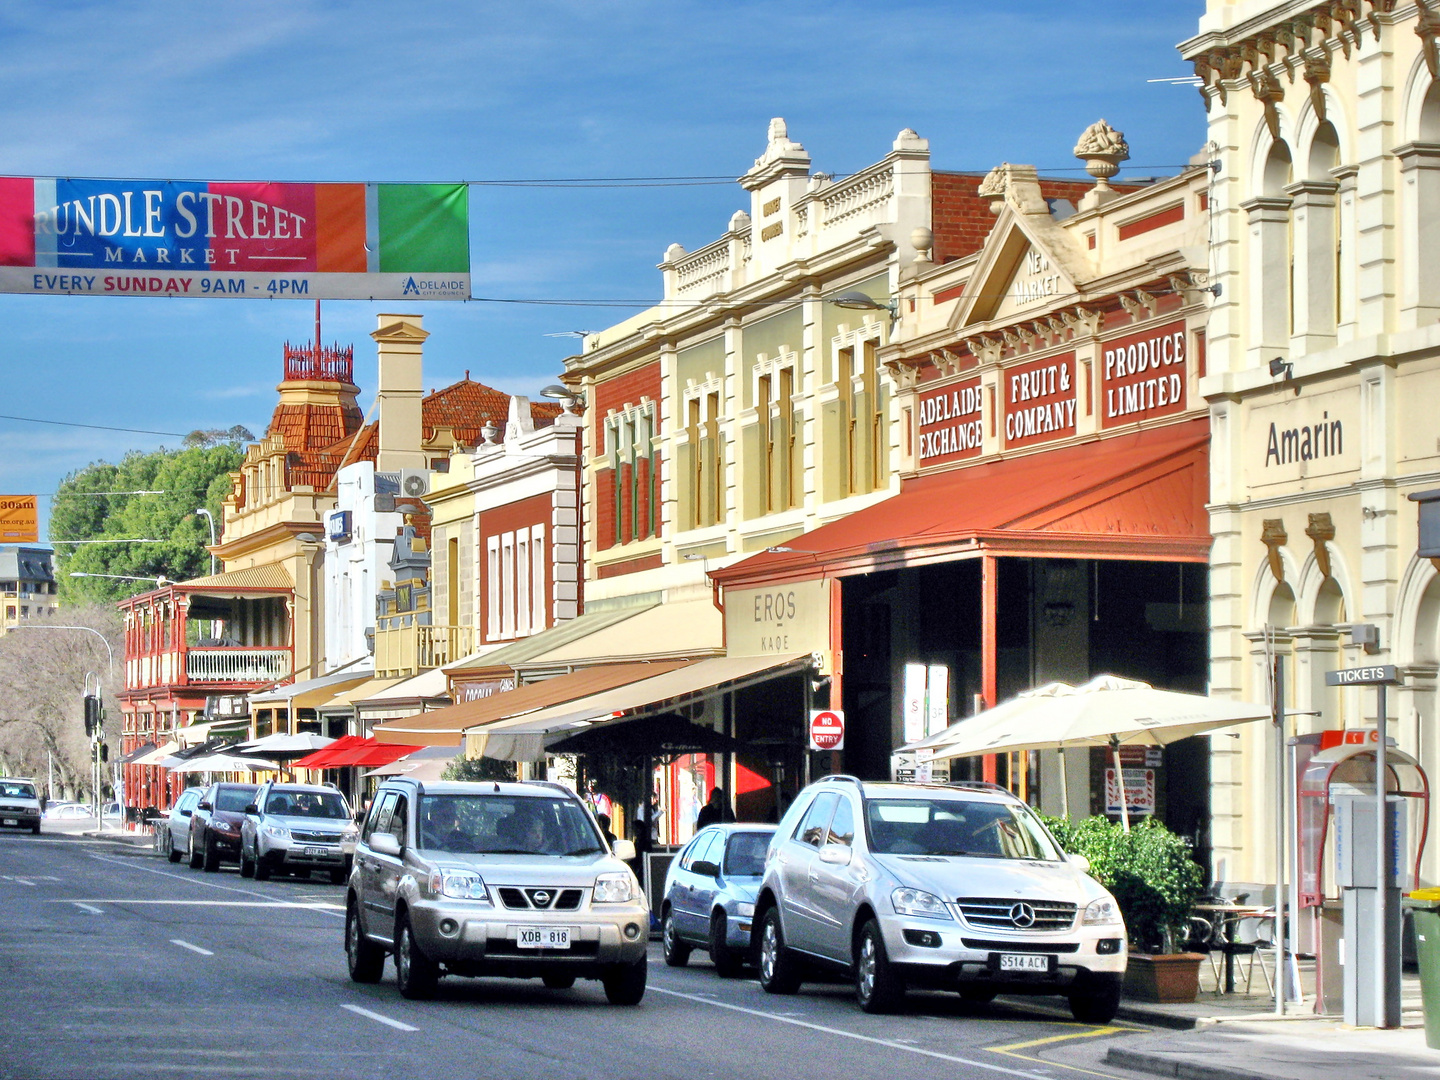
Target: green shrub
[1148,870]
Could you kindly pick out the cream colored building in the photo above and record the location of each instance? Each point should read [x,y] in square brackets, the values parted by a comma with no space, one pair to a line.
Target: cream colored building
[1324,375]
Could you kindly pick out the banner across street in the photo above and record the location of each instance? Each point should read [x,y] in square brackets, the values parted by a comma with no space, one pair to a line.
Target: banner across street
[234,240]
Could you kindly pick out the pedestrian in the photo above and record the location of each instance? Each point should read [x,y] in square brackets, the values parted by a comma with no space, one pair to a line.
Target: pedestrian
[604,820]
[715,811]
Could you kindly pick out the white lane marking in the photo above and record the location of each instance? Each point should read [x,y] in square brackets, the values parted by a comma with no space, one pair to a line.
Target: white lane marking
[841,1033]
[339,914]
[396,1024]
[192,948]
[86,907]
[213,903]
[18,880]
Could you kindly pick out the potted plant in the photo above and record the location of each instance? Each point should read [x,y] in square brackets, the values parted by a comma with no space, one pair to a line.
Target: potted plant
[1156,882]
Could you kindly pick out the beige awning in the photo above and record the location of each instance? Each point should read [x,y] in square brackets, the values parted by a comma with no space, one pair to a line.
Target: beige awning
[684,629]
[154,756]
[347,699]
[522,738]
[526,649]
[238,584]
[446,727]
[428,684]
[311,693]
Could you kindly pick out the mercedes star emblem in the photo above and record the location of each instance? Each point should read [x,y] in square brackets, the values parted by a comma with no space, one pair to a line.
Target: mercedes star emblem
[1023,916]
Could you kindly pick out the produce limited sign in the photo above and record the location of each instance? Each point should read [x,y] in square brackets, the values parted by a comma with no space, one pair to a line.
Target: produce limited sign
[163,238]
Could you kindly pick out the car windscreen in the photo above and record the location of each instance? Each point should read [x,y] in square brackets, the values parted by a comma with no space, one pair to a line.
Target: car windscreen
[313,804]
[745,854]
[957,827]
[506,825]
[234,799]
[12,790]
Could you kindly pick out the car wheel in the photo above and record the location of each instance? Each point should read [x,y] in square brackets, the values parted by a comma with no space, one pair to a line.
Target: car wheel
[779,970]
[415,973]
[195,857]
[677,953]
[878,986]
[726,960]
[262,868]
[625,983]
[978,995]
[1095,999]
[558,982]
[337,877]
[247,865]
[365,959]
[172,854]
[35,829]
[211,860]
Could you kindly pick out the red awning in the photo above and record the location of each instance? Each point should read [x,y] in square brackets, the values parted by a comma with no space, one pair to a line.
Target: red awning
[366,753]
[320,759]
[1137,496]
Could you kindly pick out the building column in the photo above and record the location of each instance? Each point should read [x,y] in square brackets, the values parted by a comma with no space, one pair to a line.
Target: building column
[1316,262]
[1269,287]
[989,648]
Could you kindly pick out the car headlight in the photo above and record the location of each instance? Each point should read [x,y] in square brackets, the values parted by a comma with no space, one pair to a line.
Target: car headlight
[350,835]
[747,910]
[458,883]
[917,902]
[618,888]
[280,832]
[1102,912]
[226,826]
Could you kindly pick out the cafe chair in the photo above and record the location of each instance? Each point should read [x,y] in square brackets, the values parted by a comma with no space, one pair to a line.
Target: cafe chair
[1255,935]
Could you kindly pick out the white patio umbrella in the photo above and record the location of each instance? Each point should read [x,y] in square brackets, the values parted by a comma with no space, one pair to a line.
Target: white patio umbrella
[223,763]
[1106,711]
[281,745]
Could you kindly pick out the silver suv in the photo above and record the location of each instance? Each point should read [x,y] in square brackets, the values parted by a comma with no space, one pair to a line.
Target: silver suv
[958,887]
[490,878]
[294,829]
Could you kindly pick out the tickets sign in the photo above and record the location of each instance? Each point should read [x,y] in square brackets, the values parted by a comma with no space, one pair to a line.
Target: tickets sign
[169,238]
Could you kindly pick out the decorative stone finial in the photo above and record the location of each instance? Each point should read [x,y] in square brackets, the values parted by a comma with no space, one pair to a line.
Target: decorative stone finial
[922,240]
[739,221]
[993,186]
[1102,148]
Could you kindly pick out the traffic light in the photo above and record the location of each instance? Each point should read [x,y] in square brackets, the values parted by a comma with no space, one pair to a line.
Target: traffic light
[92,715]
[104,752]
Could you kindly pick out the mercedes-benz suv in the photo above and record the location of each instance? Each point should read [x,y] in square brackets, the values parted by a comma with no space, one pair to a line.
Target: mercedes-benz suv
[480,879]
[956,887]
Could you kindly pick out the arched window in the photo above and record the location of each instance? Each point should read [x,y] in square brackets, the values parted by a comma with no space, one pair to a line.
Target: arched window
[1420,195]
[1271,259]
[1316,247]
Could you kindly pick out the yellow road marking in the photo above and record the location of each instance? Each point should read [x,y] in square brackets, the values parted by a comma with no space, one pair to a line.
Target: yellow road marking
[1087,1032]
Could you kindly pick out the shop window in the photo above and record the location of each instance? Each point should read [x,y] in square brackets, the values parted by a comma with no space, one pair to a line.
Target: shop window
[856,428]
[634,460]
[780,472]
[704,461]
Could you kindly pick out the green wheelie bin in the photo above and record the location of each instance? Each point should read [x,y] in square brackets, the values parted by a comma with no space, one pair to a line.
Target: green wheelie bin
[1424,905]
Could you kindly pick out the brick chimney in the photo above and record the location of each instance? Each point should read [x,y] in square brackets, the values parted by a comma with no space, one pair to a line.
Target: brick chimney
[401,342]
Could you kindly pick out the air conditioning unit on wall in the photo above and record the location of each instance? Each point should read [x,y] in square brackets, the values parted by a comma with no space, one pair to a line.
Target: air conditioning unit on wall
[414,483]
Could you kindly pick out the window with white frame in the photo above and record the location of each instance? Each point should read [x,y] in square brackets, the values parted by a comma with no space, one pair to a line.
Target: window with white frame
[516,583]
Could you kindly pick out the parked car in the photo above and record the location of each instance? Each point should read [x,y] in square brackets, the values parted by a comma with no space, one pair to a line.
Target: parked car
[958,887]
[710,896]
[68,810]
[508,879]
[19,803]
[215,825]
[294,829]
[175,826]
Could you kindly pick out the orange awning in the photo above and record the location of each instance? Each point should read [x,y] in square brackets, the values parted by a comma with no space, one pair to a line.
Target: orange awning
[1137,496]
[447,726]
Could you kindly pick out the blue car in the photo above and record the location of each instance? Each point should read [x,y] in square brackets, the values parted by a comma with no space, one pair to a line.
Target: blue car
[710,895]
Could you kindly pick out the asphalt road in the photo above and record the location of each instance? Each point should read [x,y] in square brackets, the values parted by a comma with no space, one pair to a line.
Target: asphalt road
[117,963]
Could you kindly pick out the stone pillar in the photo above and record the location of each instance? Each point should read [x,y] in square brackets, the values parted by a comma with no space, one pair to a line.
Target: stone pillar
[1268,290]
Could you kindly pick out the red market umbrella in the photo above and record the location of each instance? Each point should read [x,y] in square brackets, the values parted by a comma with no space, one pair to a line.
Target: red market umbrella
[322,759]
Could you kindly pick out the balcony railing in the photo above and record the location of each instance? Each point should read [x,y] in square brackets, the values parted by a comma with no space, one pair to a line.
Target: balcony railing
[237,665]
[409,650]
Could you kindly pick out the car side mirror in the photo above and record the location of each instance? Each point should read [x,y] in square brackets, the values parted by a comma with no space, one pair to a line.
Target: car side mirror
[384,843]
[705,868]
[251,810]
[204,806]
[624,850]
[835,854]
[1080,862]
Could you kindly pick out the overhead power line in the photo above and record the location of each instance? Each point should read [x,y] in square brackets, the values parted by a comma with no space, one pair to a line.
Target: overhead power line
[93,427]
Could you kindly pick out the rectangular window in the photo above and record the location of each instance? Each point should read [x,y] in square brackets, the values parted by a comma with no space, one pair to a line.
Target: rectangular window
[538,571]
[507,585]
[492,587]
[522,585]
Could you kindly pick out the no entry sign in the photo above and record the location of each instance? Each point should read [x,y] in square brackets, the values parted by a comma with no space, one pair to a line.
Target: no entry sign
[827,730]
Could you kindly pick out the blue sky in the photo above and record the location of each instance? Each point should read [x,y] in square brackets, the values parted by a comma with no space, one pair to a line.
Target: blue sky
[370,91]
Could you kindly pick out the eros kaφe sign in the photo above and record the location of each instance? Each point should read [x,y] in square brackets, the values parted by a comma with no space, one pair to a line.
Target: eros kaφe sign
[948,423]
[1143,376]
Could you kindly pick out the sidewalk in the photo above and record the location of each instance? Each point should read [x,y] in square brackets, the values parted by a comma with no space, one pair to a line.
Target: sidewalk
[1239,1037]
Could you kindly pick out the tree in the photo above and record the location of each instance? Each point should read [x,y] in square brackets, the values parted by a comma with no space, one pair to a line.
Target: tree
[88,506]
[43,675]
